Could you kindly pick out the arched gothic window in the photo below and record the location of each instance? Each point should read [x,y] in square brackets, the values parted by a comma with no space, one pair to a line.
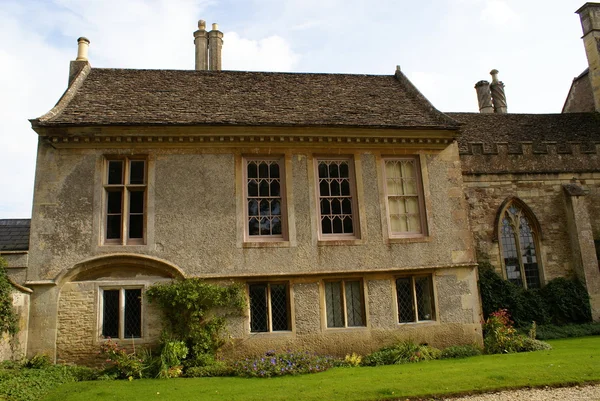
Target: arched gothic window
[519,236]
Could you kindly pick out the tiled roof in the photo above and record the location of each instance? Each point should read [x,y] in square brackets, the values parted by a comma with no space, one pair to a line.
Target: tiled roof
[14,234]
[170,97]
[537,128]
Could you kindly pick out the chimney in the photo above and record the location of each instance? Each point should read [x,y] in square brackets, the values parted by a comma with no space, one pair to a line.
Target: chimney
[201,42]
[215,43]
[498,96]
[484,97]
[590,23]
[81,61]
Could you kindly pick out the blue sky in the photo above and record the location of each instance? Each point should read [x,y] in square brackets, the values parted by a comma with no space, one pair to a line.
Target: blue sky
[443,46]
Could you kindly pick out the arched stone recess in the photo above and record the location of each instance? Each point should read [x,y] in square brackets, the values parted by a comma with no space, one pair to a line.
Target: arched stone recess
[519,235]
[104,297]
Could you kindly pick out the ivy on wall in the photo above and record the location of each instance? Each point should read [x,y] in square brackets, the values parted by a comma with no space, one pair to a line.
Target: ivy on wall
[9,321]
[190,308]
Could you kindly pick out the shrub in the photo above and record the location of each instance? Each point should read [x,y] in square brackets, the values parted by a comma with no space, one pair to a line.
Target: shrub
[568,300]
[460,351]
[171,356]
[500,337]
[122,365]
[550,331]
[214,370]
[38,361]
[531,344]
[9,321]
[189,308]
[404,352]
[352,360]
[288,363]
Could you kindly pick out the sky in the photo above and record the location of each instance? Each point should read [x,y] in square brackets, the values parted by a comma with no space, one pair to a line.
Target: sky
[443,46]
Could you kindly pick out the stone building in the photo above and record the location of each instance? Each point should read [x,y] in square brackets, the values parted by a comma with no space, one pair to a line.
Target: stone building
[353,211]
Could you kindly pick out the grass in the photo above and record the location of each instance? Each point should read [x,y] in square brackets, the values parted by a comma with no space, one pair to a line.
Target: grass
[572,361]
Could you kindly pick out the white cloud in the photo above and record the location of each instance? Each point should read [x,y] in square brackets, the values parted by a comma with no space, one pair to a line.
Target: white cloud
[269,54]
[500,13]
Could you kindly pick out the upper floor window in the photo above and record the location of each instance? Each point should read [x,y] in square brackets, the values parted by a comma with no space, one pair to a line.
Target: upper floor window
[265,202]
[519,235]
[125,184]
[404,197]
[336,195]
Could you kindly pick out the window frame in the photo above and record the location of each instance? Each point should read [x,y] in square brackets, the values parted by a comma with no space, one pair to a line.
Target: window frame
[420,198]
[122,306]
[282,190]
[527,213]
[363,298]
[356,234]
[415,301]
[269,306]
[126,189]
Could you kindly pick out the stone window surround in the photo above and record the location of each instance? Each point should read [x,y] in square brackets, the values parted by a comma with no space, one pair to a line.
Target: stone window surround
[291,315]
[98,224]
[536,232]
[99,287]
[323,301]
[284,237]
[419,195]
[434,305]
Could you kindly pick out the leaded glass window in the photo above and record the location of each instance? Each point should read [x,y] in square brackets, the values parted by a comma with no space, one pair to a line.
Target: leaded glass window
[344,303]
[336,197]
[404,196]
[269,307]
[122,313]
[125,184]
[264,198]
[519,249]
[415,299]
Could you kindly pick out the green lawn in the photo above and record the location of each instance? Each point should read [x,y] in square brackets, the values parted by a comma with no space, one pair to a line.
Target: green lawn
[571,361]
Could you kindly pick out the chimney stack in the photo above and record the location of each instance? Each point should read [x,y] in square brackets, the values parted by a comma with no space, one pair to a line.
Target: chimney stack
[589,14]
[498,95]
[215,43]
[484,97]
[81,61]
[208,47]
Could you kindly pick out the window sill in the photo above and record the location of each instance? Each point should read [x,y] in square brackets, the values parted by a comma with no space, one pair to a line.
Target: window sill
[340,242]
[408,240]
[419,323]
[266,244]
[342,329]
[126,341]
[286,333]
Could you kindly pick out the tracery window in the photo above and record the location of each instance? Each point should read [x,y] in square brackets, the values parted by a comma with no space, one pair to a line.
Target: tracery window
[518,242]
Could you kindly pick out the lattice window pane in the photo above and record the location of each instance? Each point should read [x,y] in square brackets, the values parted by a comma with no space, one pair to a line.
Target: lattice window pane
[529,254]
[279,307]
[509,252]
[258,308]
[137,172]
[404,293]
[115,172]
[354,304]
[133,313]
[110,313]
[424,295]
[263,192]
[335,197]
[403,196]
[334,304]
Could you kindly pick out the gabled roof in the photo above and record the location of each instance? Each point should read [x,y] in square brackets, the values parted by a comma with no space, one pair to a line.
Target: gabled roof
[537,128]
[14,234]
[580,98]
[100,97]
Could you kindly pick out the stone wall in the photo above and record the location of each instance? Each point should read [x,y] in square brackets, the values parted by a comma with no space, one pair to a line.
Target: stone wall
[16,348]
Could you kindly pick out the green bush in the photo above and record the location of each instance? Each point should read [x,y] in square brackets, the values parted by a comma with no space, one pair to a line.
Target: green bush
[9,321]
[171,357]
[460,351]
[404,352]
[214,370]
[551,332]
[122,364]
[38,361]
[500,336]
[288,363]
[561,301]
[531,344]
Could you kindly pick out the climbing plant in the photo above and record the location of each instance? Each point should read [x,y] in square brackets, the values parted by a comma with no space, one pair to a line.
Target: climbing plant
[9,321]
[190,308]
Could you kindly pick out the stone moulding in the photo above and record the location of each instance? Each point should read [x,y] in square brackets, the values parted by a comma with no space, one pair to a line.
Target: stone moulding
[529,148]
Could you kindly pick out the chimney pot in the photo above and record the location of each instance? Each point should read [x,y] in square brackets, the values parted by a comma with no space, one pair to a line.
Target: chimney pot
[82,49]
[498,95]
[215,27]
[215,43]
[202,25]
[484,97]
[201,45]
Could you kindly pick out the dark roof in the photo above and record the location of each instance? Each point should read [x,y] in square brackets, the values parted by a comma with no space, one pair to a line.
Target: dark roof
[170,97]
[537,128]
[14,234]
[580,98]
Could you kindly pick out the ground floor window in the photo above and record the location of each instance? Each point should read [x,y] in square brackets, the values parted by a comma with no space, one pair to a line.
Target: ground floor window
[269,307]
[415,299]
[345,306]
[121,313]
